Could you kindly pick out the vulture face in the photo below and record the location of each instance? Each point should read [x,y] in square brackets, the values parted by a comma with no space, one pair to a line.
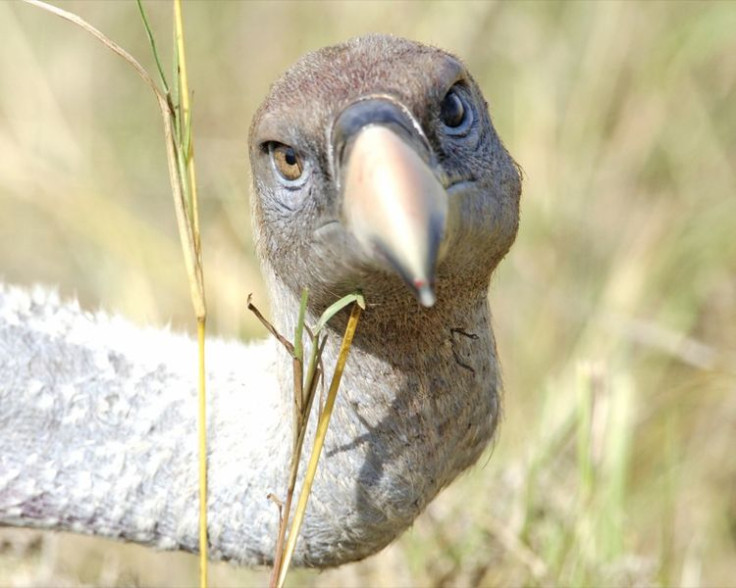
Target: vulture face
[376,167]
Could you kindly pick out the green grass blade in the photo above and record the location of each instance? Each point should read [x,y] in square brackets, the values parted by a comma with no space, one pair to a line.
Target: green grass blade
[152,43]
[336,307]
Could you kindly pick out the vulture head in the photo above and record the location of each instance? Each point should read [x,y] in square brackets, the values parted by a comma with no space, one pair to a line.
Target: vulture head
[376,167]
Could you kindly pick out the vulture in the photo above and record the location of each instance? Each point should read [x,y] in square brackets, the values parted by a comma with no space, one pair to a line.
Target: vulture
[375,168]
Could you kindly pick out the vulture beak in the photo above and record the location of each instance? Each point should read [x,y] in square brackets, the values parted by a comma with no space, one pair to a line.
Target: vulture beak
[392,201]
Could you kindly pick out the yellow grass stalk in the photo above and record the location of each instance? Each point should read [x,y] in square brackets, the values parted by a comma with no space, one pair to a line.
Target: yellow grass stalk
[319,441]
[185,150]
[180,157]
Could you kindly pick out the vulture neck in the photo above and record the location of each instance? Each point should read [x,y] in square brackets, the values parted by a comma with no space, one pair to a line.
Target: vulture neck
[418,403]
[98,422]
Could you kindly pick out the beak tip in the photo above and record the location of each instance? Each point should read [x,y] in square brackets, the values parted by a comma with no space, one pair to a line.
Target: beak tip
[426,295]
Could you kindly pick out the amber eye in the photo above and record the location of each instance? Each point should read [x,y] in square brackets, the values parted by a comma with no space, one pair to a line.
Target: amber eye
[286,161]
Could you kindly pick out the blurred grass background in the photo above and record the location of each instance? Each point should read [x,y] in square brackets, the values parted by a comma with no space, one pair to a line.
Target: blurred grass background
[615,312]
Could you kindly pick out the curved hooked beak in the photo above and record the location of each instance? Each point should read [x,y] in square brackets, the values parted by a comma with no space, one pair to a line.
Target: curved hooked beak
[392,200]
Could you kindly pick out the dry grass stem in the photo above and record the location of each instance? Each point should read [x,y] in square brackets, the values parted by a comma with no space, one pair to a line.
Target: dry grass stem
[319,439]
[304,394]
[182,176]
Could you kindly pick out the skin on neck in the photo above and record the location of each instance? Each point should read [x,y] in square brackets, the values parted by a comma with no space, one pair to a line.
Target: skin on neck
[418,404]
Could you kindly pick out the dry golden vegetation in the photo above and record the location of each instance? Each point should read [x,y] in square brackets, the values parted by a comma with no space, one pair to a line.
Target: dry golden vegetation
[615,311]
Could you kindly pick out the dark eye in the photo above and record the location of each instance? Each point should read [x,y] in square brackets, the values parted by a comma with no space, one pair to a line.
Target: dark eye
[452,110]
[455,112]
[286,161]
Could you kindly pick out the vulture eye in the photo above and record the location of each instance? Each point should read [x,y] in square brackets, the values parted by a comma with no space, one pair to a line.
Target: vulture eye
[286,162]
[455,112]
